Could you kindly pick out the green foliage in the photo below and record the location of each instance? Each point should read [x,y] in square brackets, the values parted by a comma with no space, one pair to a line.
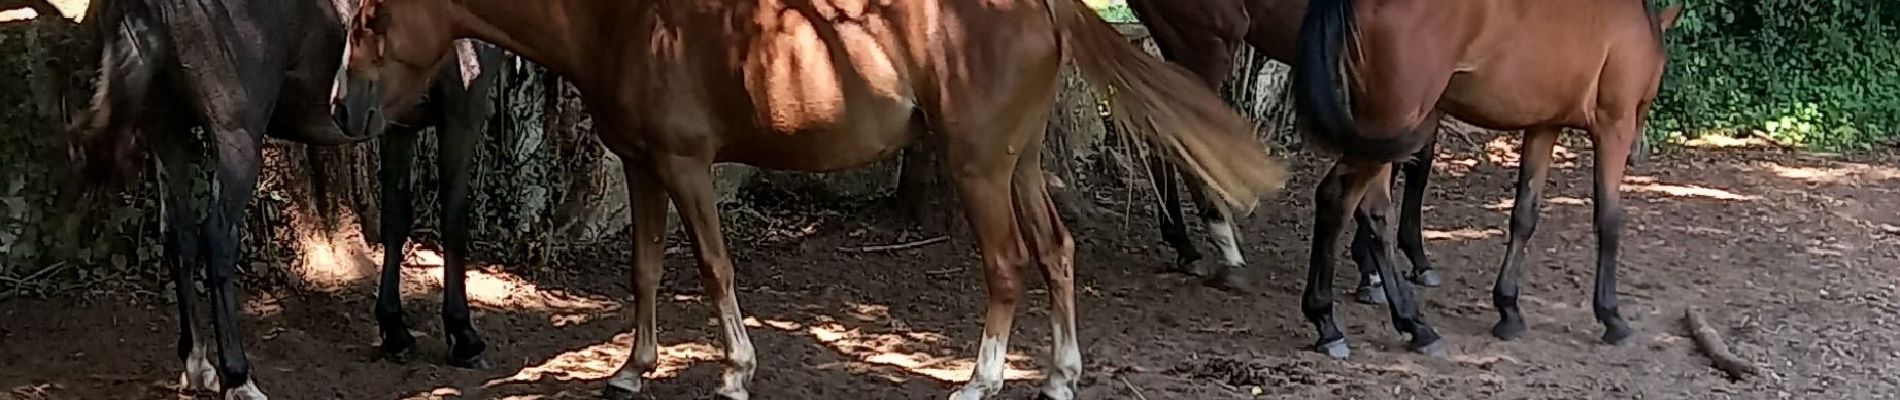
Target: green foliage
[1117,13]
[1823,74]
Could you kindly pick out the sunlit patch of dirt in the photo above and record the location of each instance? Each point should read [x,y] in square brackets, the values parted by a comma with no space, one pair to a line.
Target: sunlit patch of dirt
[1838,174]
[489,287]
[909,351]
[601,360]
[1462,234]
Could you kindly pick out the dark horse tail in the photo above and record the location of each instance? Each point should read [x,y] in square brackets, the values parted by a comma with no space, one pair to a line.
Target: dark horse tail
[1319,82]
[105,143]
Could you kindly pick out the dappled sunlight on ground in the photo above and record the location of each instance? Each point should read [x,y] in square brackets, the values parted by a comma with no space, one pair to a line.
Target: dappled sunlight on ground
[326,265]
[489,287]
[1836,174]
[1505,204]
[908,351]
[1462,234]
[1689,191]
[599,361]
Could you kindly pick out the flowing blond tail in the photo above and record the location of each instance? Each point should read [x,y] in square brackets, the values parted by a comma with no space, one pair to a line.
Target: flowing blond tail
[1169,110]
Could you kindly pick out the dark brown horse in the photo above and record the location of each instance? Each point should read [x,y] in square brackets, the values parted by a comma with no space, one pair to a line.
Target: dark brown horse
[169,66]
[239,69]
[1202,35]
[823,85]
[1372,75]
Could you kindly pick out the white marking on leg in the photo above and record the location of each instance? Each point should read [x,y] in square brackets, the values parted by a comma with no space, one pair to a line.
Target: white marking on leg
[740,359]
[1225,238]
[987,378]
[646,355]
[1065,362]
[200,375]
[247,392]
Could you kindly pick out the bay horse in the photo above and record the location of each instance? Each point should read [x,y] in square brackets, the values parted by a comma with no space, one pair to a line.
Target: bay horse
[1201,36]
[1371,75]
[458,107]
[250,68]
[825,85]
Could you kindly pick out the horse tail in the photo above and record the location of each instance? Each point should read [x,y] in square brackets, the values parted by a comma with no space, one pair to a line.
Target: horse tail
[105,140]
[1317,73]
[1169,110]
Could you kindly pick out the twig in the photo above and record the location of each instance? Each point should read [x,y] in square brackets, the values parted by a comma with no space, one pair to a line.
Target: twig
[1710,343]
[890,247]
[1131,387]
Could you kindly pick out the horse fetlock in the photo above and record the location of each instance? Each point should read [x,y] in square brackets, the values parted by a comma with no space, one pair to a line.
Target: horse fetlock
[398,345]
[466,346]
[199,375]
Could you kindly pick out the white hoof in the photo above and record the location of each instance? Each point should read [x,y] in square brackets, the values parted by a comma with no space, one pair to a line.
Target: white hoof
[199,375]
[975,391]
[1057,391]
[247,392]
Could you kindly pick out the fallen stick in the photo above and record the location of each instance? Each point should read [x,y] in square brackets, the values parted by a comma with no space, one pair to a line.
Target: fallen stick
[1131,387]
[890,247]
[1710,343]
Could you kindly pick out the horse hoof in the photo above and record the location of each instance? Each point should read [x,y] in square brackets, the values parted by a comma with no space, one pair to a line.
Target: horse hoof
[1508,329]
[474,362]
[1368,295]
[398,354]
[246,392]
[1619,336]
[1194,267]
[1429,278]
[1231,280]
[616,393]
[1336,349]
[1435,349]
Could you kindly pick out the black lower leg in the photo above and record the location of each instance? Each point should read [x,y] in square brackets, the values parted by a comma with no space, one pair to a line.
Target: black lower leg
[1173,223]
[1402,301]
[1316,301]
[1609,233]
[398,216]
[458,151]
[237,179]
[1368,290]
[1411,230]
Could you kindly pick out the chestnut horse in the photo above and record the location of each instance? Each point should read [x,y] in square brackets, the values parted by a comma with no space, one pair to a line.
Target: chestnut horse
[1372,74]
[1201,36]
[825,85]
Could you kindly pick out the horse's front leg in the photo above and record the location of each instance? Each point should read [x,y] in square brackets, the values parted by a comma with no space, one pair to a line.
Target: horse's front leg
[239,160]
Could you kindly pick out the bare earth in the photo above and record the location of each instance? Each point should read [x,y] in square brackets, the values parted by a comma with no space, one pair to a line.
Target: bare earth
[1794,257]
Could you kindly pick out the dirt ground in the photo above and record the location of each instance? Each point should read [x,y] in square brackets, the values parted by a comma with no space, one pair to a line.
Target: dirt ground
[1794,256]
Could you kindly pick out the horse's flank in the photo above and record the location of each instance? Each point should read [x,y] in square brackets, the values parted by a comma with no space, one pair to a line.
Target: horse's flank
[851,80]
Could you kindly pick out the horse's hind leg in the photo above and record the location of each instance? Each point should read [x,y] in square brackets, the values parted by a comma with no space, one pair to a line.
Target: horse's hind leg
[1342,186]
[1049,242]
[398,151]
[1411,227]
[239,160]
[690,181]
[1173,223]
[179,154]
[647,200]
[984,186]
[1372,215]
[1533,166]
[1613,141]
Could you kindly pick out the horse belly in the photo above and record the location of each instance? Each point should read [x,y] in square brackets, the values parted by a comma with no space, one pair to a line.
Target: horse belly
[841,94]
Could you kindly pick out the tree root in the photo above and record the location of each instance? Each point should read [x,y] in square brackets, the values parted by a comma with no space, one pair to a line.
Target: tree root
[1710,343]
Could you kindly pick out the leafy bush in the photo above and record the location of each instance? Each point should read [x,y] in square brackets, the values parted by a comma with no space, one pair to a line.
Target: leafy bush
[1816,73]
